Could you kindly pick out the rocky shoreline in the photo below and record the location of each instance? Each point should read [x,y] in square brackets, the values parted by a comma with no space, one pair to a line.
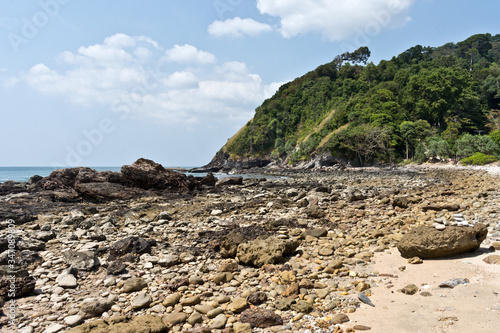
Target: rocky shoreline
[151,250]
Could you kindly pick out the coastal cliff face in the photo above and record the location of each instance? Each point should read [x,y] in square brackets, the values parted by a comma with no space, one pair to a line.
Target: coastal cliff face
[417,106]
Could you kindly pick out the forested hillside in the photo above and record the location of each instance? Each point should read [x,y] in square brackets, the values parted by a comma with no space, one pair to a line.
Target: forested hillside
[427,102]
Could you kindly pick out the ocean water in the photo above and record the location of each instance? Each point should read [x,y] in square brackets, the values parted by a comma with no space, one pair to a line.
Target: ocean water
[23,174]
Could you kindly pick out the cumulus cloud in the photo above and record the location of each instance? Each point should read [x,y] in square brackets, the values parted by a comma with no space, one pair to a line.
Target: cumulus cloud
[336,20]
[238,27]
[130,76]
[188,54]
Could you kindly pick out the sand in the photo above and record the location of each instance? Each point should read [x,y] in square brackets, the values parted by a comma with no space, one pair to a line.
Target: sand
[474,307]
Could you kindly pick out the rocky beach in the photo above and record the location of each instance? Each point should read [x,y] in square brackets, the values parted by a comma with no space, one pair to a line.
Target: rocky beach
[396,249]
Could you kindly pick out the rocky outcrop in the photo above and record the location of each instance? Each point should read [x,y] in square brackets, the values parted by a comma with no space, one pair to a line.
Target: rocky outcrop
[121,324]
[134,180]
[222,161]
[267,251]
[427,242]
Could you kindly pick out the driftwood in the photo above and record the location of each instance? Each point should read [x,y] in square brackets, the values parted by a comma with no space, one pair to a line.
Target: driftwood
[451,208]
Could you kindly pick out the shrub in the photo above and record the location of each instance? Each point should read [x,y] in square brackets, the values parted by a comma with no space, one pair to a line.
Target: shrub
[478,159]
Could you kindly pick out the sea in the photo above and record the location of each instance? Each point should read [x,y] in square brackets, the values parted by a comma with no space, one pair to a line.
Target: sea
[23,174]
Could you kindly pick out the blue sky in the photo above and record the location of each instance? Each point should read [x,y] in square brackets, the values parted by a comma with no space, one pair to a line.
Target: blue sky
[102,83]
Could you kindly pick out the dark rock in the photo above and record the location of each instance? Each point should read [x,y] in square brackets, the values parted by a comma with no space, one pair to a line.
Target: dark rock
[258,317]
[451,207]
[401,202]
[129,245]
[226,181]
[30,244]
[410,289]
[427,243]
[209,180]
[257,298]
[147,175]
[267,251]
[22,282]
[26,259]
[116,267]
[106,191]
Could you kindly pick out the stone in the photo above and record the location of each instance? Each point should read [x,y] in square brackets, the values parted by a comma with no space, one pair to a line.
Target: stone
[316,232]
[493,259]
[302,306]
[229,266]
[195,318]
[116,267]
[214,313]
[134,284]
[95,308]
[66,281]
[23,282]
[409,289]
[452,283]
[73,320]
[124,324]
[361,328]
[325,251]
[268,251]
[53,328]
[223,277]
[261,318]
[129,245]
[186,257]
[175,318]
[83,261]
[141,301]
[428,243]
[257,298]
[339,318]
[172,299]
[169,260]
[219,322]
[238,305]
[203,308]
[239,327]
[190,301]
[315,212]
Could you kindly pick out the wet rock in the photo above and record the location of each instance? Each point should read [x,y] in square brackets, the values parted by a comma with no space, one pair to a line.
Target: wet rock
[258,317]
[427,243]
[269,251]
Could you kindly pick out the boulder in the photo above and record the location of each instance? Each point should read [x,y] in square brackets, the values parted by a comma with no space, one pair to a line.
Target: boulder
[129,245]
[83,261]
[427,242]
[95,308]
[121,324]
[266,251]
[258,317]
[23,282]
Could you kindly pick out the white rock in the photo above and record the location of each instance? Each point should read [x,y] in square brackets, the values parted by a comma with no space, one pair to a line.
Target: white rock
[73,320]
[66,281]
[54,328]
[440,227]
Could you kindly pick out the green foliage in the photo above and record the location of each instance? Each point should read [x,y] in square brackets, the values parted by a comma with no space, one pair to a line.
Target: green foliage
[478,159]
[417,105]
[468,145]
[495,136]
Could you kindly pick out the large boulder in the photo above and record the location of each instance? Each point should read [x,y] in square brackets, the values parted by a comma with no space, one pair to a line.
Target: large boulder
[147,175]
[122,324]
[427,242]
[266,251]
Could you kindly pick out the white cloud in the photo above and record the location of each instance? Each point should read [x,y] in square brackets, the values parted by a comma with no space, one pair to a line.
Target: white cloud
[238,27]
[128,75]
[188,54]
[336,19]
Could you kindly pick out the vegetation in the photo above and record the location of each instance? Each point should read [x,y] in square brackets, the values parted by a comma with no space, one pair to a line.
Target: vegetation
[424,103]
[478,159]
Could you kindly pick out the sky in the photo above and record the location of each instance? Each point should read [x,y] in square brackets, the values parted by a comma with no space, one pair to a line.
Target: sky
[103,83]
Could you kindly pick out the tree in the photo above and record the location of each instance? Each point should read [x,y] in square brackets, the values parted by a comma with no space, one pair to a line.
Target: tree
[361,55]
[493,117]
[407,130]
